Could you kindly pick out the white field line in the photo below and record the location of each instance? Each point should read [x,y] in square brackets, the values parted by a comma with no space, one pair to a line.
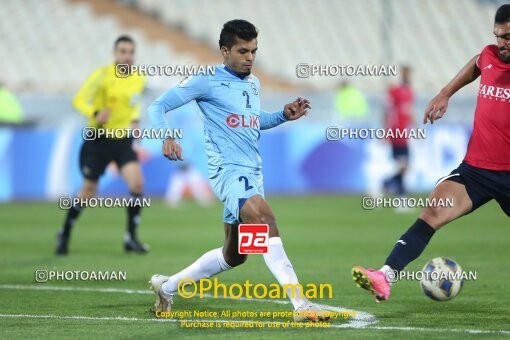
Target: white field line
[362,320]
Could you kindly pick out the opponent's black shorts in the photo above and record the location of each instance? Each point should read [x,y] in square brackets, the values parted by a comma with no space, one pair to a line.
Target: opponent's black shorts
[400,152]
[96,154]
[483,185]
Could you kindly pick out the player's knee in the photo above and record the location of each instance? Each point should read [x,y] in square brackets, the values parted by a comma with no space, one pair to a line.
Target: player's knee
[262,217]
[258,214]
[434,216]
[236,260]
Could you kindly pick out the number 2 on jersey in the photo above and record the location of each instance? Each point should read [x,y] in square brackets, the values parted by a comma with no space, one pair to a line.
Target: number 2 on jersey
[245,94]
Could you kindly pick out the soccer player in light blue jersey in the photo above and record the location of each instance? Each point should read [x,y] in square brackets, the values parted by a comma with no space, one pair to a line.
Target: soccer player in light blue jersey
[230,108]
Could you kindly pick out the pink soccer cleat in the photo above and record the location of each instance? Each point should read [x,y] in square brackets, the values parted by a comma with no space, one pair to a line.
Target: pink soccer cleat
[372,280]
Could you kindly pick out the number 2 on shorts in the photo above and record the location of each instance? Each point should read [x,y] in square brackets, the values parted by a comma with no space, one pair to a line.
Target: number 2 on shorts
[246,185]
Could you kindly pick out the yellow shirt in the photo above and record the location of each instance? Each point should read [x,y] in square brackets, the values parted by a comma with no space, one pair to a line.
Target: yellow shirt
[103,89]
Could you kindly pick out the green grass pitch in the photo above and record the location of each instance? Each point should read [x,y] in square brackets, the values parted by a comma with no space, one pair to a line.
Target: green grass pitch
[324,237]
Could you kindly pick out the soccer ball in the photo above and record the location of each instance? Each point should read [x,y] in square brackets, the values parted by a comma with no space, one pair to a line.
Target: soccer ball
[442,279]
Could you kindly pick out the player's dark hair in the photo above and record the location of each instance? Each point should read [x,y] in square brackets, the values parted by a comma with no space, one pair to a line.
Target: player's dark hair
[123,38]
[502,14]
[237,28]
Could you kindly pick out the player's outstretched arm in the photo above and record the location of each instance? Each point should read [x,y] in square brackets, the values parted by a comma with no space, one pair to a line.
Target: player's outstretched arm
[172,150]
[297,109]
[157,115]
[291,111]
[438,105]
[191,88]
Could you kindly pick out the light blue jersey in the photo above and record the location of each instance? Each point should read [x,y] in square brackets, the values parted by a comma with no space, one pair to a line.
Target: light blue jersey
[230,110]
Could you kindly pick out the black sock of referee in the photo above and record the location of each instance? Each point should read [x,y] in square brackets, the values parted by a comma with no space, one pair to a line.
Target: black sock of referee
[410,245]
[133,211]
[72,215]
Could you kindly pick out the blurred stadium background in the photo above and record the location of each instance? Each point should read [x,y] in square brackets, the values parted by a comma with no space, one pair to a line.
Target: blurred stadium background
[48,48]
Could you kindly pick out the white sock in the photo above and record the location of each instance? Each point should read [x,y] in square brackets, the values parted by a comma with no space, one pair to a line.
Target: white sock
[209,264]
[279,264]
[385,269]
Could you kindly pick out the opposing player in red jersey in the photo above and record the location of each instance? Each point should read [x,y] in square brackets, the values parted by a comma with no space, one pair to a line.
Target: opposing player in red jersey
[484,174]
[399,116]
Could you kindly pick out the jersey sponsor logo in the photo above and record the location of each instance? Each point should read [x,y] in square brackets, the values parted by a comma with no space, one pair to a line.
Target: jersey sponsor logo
[245,121]
[253,238]
[494,92]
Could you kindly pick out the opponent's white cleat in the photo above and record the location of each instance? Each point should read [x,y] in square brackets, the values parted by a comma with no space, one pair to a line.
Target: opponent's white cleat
[309,311]
[163,300]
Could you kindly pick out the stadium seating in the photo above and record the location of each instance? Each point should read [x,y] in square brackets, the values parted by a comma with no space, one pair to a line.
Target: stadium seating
[42,52]
[53,45]
[346,32]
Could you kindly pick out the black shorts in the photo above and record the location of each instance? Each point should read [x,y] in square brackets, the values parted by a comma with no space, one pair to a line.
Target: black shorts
[483,185]
[400,152]
[96,154]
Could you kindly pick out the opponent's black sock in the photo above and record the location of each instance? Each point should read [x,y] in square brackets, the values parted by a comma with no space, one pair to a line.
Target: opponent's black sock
[410,245]
[133,211]
[72,215]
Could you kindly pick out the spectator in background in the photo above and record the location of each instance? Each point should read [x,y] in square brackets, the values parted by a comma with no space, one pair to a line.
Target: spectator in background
[188,181]
[10,108]
[350,102]
[399,116]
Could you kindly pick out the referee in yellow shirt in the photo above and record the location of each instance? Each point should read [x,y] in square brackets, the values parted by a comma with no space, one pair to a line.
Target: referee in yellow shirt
[111,103]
